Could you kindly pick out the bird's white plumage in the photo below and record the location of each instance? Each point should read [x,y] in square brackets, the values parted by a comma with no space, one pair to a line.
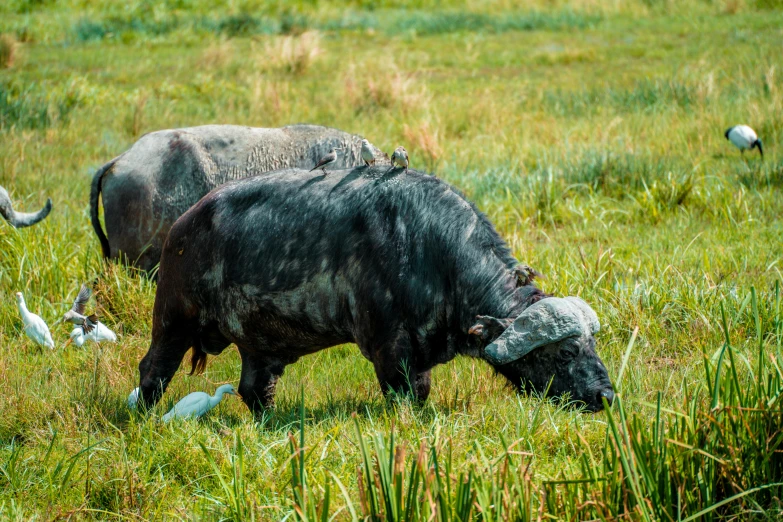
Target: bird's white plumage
[99,334]
[34,326]
[742,136]
[367,153]
[133,398]
[197,404]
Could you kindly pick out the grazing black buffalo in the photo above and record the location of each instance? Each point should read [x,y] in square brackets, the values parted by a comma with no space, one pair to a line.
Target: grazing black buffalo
[291,262]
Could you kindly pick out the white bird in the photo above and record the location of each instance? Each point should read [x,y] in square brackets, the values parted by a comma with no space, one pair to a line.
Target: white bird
[98,334]
[198,403]
[744,138]
[400,158]
[327,160]
[133,398]
[367,154]
[34,326]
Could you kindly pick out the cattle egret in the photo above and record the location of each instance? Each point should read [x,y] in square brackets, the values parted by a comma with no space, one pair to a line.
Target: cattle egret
[198,403]
[744,138]
[34,326]
[76,314]
[367,154]
[327,160]
[133,398]
[98,334]
[400,158]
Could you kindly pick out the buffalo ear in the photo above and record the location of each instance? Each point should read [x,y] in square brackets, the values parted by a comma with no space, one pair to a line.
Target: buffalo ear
[525,274]
[488,328]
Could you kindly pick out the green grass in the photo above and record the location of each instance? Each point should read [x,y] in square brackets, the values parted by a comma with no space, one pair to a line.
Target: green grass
[591,134]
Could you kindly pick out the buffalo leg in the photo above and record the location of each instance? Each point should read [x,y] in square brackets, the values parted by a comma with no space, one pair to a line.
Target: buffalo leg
[395,368]
[258,380]
[404,380]
[159,365]
[422,385]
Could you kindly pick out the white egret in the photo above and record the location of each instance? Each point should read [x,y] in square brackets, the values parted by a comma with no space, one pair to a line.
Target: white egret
[327,160]
[744,138]
[400,158]
[198,403]
[34,326]
[99,333]
[133,398]
[367,153]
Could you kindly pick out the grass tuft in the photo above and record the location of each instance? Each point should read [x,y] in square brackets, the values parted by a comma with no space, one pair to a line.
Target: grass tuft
[31,107]
[9,49]
[292,54]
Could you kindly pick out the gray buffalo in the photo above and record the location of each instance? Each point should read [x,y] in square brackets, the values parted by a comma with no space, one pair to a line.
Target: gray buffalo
[21,219]
[288,263]
[148,187]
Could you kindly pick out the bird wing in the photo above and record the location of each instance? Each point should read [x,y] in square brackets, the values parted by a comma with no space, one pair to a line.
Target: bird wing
[747,133]
[90,323]
[193,405]
[102,333]
[37,330]
[324,161]
[48,341]
[81,299]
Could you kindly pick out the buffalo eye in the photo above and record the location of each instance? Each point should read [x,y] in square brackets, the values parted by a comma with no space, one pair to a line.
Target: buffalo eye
[568,352]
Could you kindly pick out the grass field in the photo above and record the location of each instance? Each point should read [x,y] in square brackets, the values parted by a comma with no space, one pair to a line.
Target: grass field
[591,133]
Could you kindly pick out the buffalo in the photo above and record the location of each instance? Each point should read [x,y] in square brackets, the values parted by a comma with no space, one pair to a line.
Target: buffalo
[149,186]
[21,219]
[288,263]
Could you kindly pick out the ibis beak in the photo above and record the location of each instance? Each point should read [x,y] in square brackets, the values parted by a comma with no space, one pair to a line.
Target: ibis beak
[761,151]
[68,342]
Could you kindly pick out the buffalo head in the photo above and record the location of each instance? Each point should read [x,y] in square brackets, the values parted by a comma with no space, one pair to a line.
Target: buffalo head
[549,348]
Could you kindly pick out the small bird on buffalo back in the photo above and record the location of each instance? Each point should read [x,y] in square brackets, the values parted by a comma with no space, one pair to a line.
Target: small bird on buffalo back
[34,326]
[400,158]
[367,154]
[327,160]
[198,403]
[76,314]
[744,138]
